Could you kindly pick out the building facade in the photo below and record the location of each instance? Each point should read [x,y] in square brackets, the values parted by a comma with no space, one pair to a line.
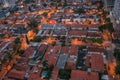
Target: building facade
[115,15]
[109,4]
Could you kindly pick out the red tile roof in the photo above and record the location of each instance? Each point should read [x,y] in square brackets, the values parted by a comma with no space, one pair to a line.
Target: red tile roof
[87,62]
[21,67]
[52,59]
[29,52]
[116,35]
[35,75]
[73,50]
[94,34]
[55,72]
[16,74]
[97,63]
[42,47]
[70,65]
[80,75]
[23,60]
[77,33]
[95,49]
[65,49]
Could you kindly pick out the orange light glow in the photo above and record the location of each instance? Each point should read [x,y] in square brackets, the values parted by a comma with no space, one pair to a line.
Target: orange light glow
[76,42]
[52,22]
[50,40]
[31,34]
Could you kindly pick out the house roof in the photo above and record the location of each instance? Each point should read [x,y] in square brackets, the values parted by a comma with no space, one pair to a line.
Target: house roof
[94,34]
[42,47]
[70,65]
[73,50]
[55,72]
[78,32]
[95,49]
[21,67]
[80,75]
[116,35]
[16,74]
[28,52]
[87,62]
[97,63]
[65,50]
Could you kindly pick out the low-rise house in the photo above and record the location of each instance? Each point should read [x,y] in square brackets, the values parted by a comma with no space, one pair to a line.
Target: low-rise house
[29,52]
[72,59]
[116,35]
[62,61]
[97,63]
[54,75]
[15,74]
[77,33]
[96,50]
[35,73]
[83,75]
[94,35]
[52,54]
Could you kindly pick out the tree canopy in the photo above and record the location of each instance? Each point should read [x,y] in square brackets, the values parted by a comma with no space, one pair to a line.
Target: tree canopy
[33,23]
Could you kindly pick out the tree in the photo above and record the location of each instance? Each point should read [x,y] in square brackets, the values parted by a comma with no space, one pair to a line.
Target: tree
[45,64]
[44,4]
[108,26]
[45,14]
[79,10]
[17,40]
[33,23]
[36,39]
[65,3]
[64,73]
[117,69]
[117,54]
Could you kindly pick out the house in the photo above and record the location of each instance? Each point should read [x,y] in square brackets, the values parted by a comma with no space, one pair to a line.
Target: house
[72,59]
[62,60]
[15,74]
[94,35]
[77,33]
[65,50]
[96,50]
[54,74]
[52,54]
[35,73]
[97,63]
[29,52]
[83,75]
[116,35]
[41,51]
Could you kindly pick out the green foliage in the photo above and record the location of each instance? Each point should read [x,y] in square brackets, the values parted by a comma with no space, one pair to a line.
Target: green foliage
[117,54]
[79,11]
[17,40]
[64,73]
[2,35]
[33,23]
[49,70]
[65,3]
[58,1]
[98,40]
[45,63]
[28,1]
[36,39]
[108,26]
[44,4]
[117,69]
[45,14]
